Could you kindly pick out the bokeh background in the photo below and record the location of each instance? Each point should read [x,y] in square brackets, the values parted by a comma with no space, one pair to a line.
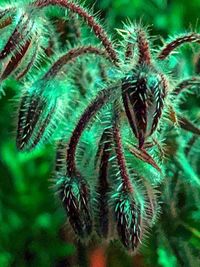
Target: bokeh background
[31,220]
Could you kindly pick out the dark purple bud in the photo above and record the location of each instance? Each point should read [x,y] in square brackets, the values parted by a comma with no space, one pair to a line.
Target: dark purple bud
[143,95]
[40,114]
[21,31]
[74,194]
[15,60]
[128,220]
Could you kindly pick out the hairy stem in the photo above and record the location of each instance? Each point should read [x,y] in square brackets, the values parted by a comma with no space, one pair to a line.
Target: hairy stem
[143,47]
[89,19]
[103,186]
[193,81]
[72,55]
[88,114]
[171,46]
[120,155]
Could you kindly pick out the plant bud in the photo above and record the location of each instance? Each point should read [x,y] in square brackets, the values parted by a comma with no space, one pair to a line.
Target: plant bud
[40,114]
[143,94]
[74,194]
[128,220]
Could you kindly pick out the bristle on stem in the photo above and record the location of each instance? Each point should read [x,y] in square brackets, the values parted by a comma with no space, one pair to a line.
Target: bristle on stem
[120,155]
[176,42]
[72,55]
[103,185]
[143,47]
[88,114]
[90,20]
[185,84]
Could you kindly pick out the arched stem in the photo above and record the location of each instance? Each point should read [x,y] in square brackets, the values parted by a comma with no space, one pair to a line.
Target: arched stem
[120,153]
[89,19]
[72,55]
[103,186]
[176,42]
[102,98]
[185,84]
[185,123]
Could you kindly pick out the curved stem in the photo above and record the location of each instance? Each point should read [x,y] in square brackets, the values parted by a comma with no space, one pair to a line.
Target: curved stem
[72,55]
[120,154]
[184,122]
[190,145]
[193,81]
[88,114]
[89,19]
[103,186]
[176,42]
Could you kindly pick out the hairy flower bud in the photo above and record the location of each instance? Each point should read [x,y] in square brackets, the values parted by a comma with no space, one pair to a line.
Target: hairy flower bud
[128,218]
[74,193]
[143,94]
[40,114]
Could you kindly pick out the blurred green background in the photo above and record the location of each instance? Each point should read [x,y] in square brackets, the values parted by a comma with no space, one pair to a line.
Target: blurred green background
[31,219]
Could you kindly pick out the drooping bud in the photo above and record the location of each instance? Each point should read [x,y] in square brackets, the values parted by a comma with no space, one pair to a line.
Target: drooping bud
[15,60]
[20,33]
[143,93]
[74,193]
[40,114]
[19,43]
[129,221]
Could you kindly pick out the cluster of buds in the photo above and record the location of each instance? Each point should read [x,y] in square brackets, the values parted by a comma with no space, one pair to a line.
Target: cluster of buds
[117,185]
